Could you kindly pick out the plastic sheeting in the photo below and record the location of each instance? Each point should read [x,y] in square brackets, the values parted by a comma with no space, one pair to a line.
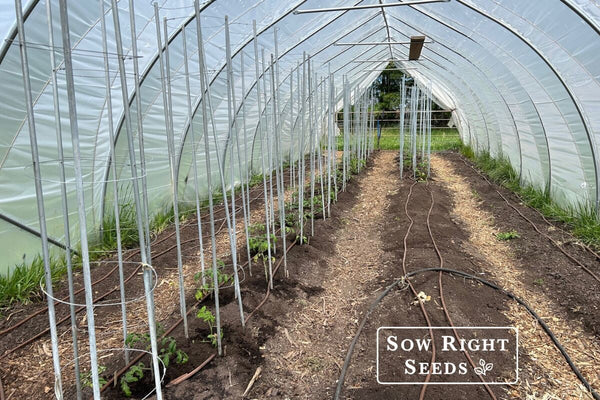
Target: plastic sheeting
[521,77]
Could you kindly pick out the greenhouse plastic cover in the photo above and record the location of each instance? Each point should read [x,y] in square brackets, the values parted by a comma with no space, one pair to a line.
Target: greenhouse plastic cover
[522,79]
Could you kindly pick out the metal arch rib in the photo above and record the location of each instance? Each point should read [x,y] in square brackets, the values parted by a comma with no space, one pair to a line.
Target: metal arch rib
[142,78]
[319,51]
[441,43]
[298,116]
[175,34]
[582,15]
[244,96]
[562,81]
[452,28]
[251,86]
[149,67]
[387,28]
[10,38]
[526,92]
[479,106]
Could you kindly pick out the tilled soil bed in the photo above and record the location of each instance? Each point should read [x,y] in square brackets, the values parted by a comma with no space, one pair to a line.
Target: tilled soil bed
[295,344]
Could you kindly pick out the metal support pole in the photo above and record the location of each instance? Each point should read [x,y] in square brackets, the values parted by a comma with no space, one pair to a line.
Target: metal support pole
[194,156]
[39,195]
[232,125]
[174,174]
[292,131]
[330,142]
[372,135]
[414,97]
[246,201]
[312,125]
[319,143]
[262,155]
[429,131]
[113,157]
[301,158]
[279,150]
[358,127]
[346,132]
[402,114]
[269,149]
[136,195]
[138,209]
[64,200]
[205,89]
[276,133]
[422,125]
[140,128]
[300,115]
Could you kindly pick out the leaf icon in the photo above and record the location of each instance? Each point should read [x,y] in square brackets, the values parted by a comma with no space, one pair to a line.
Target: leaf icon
[484,367]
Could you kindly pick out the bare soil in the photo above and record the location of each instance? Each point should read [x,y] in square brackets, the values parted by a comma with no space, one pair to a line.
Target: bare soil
[300,336]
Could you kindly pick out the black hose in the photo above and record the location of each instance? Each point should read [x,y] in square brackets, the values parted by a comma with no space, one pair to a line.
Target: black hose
[469,276]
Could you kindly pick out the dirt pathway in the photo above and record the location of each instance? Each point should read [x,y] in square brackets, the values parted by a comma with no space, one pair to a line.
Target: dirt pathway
[300,336]
[536,272]
[310,345]
[358,253]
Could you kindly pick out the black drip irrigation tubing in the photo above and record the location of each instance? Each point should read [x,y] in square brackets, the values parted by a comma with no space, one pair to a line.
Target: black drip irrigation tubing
[404,281]
[558,246]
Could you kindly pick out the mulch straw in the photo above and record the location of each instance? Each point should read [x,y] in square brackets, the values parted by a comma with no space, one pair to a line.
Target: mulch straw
[553,379]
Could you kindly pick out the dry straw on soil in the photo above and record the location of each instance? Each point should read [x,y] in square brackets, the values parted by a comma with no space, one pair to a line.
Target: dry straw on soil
[553,377]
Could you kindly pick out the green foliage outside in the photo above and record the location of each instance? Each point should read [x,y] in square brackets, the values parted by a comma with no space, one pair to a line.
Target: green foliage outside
[441,139]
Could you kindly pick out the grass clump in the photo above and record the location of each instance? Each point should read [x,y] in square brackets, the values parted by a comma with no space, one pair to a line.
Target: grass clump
[22,283]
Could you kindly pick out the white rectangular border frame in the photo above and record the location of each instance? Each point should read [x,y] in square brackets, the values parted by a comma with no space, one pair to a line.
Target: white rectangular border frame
[516,330]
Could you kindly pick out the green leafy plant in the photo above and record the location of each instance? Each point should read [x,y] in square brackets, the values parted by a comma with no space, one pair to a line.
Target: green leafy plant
[421,171]
[259,241]
[167,351]
[133,374]
[207,288]
[86,377]
[208,317]
[355,164]
[508,235]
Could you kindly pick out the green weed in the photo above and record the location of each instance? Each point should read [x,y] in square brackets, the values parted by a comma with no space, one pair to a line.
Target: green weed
[22,283]
[510,235]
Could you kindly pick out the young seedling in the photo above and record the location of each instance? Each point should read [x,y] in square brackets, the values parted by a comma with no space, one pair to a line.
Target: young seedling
[86,377]
[133,374]
[259,243]
[222,277]
[207,316]
[167,351]
[507,235]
